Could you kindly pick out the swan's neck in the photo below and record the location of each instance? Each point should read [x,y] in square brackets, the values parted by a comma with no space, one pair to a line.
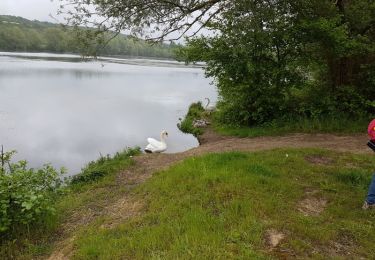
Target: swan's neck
[162,138]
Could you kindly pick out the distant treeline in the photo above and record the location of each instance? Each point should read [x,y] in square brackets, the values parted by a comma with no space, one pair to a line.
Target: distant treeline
[22,35]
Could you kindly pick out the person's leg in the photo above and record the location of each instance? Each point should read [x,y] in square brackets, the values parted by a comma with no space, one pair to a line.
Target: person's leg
[371,192]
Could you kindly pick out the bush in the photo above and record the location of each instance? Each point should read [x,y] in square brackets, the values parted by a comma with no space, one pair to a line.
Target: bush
[26,194]
[195,111]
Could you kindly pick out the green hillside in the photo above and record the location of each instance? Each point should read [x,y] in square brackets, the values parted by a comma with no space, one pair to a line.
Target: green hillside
[231,205]
[278,204]
[22,35]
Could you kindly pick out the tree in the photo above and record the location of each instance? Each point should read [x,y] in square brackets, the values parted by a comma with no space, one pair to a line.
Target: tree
[253,60]
[37,36]
[269,58]
[340,37]
[154,19]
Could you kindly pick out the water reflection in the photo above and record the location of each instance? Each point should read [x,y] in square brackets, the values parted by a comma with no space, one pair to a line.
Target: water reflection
[67,113]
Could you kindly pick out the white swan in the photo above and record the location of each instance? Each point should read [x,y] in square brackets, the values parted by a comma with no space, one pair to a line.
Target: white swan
[155,146]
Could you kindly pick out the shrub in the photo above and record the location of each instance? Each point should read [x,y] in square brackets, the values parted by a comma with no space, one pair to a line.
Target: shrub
[26,194]
[195,111]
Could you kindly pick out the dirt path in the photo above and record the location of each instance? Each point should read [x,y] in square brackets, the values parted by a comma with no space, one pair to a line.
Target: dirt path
[147,164]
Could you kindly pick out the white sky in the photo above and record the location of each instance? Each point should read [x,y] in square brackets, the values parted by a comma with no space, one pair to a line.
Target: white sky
[42,9]
[30,9]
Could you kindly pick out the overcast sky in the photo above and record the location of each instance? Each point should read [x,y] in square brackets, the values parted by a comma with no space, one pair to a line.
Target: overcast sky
[30,9]
[42,9]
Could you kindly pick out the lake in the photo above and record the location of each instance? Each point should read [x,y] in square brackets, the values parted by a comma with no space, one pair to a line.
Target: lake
[58,109]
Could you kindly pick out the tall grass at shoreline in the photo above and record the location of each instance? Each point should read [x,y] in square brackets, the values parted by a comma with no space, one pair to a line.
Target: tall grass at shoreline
[91,186]
[336,125]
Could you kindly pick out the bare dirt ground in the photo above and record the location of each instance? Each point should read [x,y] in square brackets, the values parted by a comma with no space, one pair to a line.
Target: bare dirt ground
[210,142]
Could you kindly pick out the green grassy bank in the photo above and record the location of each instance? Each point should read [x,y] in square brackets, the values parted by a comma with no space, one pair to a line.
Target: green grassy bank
[91,190]
[222,206]
[335,125]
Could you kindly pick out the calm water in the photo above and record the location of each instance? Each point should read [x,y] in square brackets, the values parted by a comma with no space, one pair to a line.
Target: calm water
[56,109]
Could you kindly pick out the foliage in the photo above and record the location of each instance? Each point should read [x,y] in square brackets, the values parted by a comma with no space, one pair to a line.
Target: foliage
[19,34]
[104,166]
[143,18]
[269,59]
[36,241]
[26,194]
[290,58]
[195,112]
[252,61]
[221,206]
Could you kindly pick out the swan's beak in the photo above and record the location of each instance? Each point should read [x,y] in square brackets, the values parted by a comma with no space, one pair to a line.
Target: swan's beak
[166,134]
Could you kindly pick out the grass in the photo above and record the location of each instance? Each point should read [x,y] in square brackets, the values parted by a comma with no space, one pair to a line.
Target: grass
[104,166]
[337,125]
[220,206]
[94,187]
